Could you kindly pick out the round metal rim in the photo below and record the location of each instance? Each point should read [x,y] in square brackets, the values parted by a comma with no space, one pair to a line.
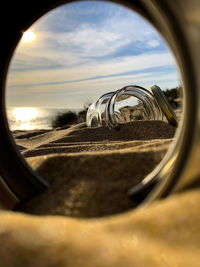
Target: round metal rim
[8,148]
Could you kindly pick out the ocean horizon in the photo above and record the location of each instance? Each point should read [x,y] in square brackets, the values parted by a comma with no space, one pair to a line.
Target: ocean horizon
[33,118]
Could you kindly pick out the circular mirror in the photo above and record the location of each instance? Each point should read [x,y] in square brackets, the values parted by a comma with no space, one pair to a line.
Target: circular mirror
[65,62]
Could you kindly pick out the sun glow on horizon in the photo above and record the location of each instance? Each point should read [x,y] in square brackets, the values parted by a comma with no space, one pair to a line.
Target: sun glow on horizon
[25,114]
[28,36]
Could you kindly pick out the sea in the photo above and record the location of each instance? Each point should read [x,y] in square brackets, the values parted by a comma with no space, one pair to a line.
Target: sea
[32,118]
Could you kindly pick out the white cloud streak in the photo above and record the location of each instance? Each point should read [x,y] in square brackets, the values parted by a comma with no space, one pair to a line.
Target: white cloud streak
[112,67]
[56,61]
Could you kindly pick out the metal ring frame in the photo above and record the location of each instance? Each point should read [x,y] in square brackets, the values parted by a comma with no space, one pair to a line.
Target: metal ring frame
[180,166]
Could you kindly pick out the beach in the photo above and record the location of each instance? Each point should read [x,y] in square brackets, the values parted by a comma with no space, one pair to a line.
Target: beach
[87,168]
[86,218]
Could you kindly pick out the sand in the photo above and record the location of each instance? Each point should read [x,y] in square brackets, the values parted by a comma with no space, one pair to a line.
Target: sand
[90,170]
[86,218]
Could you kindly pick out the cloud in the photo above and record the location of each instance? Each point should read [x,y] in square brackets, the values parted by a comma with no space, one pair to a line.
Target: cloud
[74,95]
[88,45]
[115,66]
[153,43]
[121,31]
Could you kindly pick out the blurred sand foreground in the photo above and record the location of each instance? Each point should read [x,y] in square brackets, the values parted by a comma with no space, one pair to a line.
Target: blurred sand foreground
[89,171]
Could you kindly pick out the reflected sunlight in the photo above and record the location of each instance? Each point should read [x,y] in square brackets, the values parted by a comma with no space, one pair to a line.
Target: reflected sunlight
[25,114]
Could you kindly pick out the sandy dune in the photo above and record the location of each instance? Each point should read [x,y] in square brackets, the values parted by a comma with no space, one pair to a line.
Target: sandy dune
[89,172]
[87,168]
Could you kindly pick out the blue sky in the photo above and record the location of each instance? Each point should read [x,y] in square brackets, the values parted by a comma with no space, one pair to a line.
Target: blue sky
[83,50]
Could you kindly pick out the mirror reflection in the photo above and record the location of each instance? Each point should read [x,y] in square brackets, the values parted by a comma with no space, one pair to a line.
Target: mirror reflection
[63,64]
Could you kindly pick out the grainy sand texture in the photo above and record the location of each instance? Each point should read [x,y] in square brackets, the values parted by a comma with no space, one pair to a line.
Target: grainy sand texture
[90,170]
[85,218]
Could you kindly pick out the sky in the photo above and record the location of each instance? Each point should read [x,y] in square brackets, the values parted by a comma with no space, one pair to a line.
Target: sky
[84,49]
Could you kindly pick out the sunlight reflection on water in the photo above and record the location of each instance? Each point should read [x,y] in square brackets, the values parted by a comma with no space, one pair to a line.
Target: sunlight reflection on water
[23,118]
[31,118]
